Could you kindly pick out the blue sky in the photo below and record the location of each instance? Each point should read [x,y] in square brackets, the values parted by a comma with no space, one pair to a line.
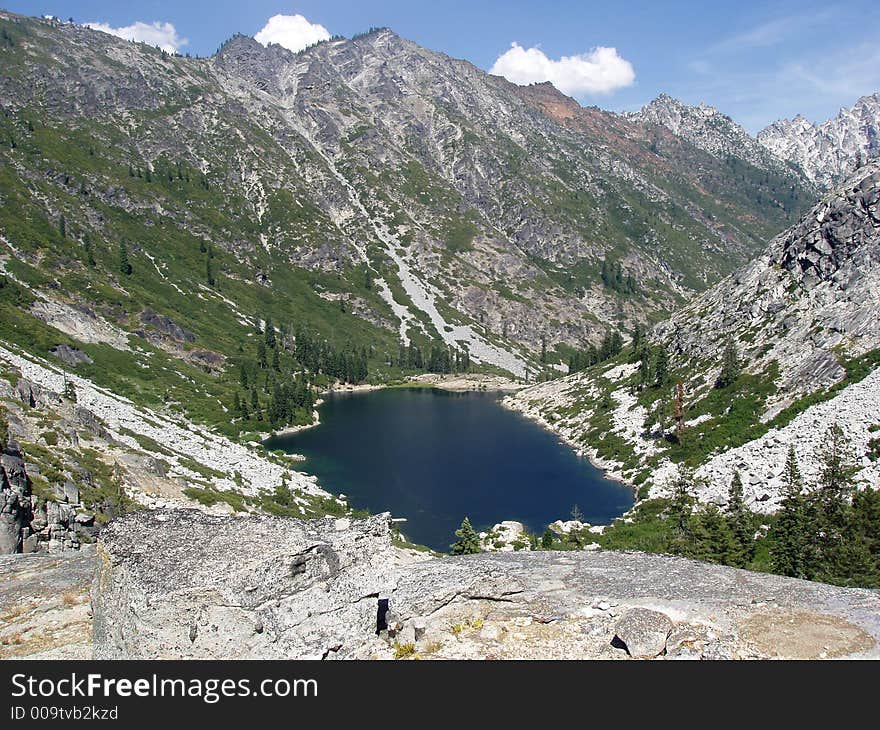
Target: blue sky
[755,60]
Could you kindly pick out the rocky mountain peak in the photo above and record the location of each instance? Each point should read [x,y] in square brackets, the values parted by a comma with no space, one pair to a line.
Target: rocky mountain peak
[707,129]
[828,152]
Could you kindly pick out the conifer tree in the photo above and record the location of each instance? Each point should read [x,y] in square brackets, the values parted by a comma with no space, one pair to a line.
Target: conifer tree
[832,506]
[89,251]
[547,539]
[680,510]
[62,226]
[678,411]
[125,267]
[661,367]
[730,366]
[790,536]
[740,525]
[710,537]
[269,333]
[261,354]
[638,334]
[468,542]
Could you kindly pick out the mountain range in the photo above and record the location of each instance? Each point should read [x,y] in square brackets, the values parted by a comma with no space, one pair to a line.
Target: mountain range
[200,244]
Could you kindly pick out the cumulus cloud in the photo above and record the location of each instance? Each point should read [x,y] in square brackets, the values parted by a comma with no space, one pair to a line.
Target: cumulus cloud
[294,32]
[601,71]
[163,35]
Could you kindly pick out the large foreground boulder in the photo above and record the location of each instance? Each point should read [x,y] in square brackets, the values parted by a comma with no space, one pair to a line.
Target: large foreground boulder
[184,584]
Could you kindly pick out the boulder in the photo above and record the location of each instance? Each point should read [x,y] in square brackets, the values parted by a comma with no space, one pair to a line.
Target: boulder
[643,632]
[70,355]
[305,590]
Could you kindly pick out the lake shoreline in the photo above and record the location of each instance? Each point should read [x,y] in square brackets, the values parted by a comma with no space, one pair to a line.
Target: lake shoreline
[466,383]
[610,469]
[538,491]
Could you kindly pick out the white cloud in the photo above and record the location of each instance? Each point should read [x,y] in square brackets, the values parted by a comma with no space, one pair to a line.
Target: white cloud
[601,71]
[159,34]
[294,32]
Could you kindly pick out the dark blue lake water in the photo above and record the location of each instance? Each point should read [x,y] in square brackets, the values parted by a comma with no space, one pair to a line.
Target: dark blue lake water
[434,457]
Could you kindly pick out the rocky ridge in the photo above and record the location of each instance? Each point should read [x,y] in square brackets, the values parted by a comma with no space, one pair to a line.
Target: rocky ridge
[811,294]
[710,130]
[828,152]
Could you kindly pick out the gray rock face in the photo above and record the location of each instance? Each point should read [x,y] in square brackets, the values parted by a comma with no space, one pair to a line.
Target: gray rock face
[256,587]
[813,292]
[708,129]
[643,632]
[166,326]
[179,584]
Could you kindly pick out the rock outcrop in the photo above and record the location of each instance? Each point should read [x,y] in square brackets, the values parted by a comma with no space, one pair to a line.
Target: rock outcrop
[29,523]
[177,584]
[803,317]
[815,291]
[15,500]
[185,584]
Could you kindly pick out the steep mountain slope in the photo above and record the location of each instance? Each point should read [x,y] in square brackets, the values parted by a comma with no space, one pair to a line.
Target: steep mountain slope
[433,201]
[828,152]
[803,320]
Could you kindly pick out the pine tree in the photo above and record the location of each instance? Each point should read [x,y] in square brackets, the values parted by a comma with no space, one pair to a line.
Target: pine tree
[468,542]
[790,536]
[661,367]
[730,366]
[678,411]
[276,361]
[710,537]
[740,525]
[547,539]
[638,334]
[680,510]
[236,404]
[832,503]
[125,267]
[62,226]
[209,271]
[89,251]
[261,354]
[269,334]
